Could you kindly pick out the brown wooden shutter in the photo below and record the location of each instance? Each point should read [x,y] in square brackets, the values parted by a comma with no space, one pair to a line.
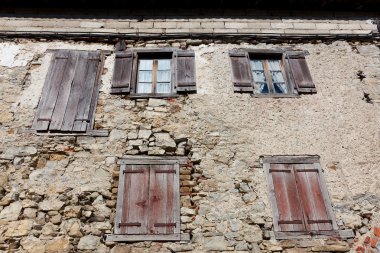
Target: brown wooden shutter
[312,198]
[288,207]
[122,73]
[299,73]
[164,217]
[185,71]
[132,210]
[241,71]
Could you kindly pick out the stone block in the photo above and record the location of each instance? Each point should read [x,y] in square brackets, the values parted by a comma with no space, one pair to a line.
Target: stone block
[18,228]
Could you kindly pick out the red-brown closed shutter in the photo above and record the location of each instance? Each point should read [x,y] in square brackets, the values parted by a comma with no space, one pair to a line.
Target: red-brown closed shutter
[241,71]
[185,71]
[299,73]
[312,198]
[164,200]
[289,217]
[70,93]
[122,73]
[135,202]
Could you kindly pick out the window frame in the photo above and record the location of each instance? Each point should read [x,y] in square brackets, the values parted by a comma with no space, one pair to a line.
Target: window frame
[267,161]
[152,54]
[146,160]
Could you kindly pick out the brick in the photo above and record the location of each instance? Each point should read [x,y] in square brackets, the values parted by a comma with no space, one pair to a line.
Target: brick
[374,242]
[143,24]
[168,24]
[368,26]
[341,31]
[239,25]
[275,31]
[281,25]
[304,26]
[225,30]
[259,25]
[202,30]
[249,30]
[326,26]
[178,30]
[349,26]
[87,24]
[116,24]
[367,240]
[189,24]
[151,30]
[362,31]
[376,231]
[212,24]
[360,249]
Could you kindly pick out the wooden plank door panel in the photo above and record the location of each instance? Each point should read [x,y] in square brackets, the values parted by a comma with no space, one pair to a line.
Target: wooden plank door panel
[288,205]
[135,200]
[312,199]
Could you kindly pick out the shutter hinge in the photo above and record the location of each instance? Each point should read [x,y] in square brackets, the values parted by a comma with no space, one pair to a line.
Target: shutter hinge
[130,224]
[165,171]
[133,171]
[164,224]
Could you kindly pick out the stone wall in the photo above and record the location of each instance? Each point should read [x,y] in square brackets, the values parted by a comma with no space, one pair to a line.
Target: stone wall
[58,194]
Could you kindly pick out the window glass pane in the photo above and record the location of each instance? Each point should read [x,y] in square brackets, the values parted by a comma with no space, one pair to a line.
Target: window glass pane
[280,88]
[144,88]
[259,76]
[163,88]
[163,64]
[145,64]
[274,65]
[163,76]
[145,76]
[257,65]
[261,88]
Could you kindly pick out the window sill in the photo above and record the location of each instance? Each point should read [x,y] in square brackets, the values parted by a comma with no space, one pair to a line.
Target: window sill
[275,95]
[135,238]
[94,133]
[149,95]
[343,234]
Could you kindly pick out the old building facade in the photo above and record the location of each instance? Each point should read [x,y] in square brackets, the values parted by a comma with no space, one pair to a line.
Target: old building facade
[234,130]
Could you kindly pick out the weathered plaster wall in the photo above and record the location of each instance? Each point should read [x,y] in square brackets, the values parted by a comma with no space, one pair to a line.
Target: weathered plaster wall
[58,194]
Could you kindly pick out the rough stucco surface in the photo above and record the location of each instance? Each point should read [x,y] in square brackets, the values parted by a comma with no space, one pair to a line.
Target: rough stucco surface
[58,194]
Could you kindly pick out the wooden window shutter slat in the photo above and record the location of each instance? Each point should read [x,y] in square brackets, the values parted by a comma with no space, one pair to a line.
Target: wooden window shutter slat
[290,217]
[88,92]
[299,73]
[164,200]
[135,201]
[50,91]
[311,195]
[241,71]
[122,73]
[185,71]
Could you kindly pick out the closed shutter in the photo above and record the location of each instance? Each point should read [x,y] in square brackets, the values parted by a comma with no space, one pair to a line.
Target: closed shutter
[70,93]
[185,71]
[289,211]
[312,198]
[135,201]
[241,71]
[299,73]
[122,73]
[164,200]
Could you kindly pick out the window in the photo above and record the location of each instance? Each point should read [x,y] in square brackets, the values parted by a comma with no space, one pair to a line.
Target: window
[148,201]
[154,72]
[300,201]
[274,73]
[70,93]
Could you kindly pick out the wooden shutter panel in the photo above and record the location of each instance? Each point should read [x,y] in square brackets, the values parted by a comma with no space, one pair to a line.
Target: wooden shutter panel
[122,73]
[299,73]
[241,71]
[70,94]
[185,71]
[133,200]
[288,210]
[164,217]
[313,198]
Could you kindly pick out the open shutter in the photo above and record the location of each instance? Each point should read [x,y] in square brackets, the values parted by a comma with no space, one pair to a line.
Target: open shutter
[60,74]
[69,97]
[185,71]
[122,73]
[299,73]
[164,217]
[287,206]
[133,200]
[313,198]
[241,71]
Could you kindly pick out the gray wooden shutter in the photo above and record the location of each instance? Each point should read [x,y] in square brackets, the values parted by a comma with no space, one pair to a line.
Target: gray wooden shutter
[241,71]
[299,73]
[164,216]
[70,92]
[122,73]
[185,71]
